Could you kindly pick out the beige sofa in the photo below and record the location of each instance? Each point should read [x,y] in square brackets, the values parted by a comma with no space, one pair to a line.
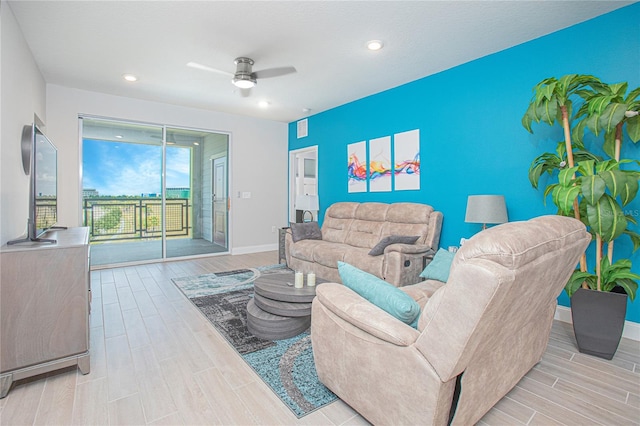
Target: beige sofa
[481,332]
[350,230]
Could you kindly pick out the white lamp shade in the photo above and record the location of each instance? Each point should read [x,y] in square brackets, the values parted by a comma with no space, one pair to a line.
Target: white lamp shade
[486,209]
[307,202]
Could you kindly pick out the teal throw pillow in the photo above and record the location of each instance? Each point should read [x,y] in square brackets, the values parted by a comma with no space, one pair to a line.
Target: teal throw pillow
[382,294]
[439,267]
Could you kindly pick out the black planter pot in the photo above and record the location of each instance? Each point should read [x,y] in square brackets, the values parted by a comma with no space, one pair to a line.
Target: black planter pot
[598,320]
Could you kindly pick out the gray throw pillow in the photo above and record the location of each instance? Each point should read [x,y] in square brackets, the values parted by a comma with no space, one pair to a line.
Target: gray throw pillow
[305,231]
[378,249]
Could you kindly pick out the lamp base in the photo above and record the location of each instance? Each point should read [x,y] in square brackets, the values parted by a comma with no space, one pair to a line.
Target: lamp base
[304,214]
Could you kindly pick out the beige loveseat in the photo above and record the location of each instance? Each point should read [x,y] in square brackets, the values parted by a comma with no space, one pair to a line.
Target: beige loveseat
[481,332]
[350,230]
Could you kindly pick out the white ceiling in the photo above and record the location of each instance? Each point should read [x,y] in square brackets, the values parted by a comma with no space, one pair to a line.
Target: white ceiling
[90,44]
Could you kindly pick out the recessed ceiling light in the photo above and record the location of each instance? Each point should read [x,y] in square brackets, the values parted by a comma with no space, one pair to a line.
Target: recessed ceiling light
[119,136]
[306,110]
[374,45]
[196,143]
[263,104]
[130,77]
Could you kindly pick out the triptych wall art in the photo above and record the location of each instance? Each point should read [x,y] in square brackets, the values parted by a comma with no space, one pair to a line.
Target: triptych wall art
[382,171]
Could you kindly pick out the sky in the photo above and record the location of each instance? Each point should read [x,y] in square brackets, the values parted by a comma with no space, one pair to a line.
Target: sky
[114,168]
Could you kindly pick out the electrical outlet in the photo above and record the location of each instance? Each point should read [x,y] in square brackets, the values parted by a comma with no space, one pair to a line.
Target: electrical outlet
[273,228]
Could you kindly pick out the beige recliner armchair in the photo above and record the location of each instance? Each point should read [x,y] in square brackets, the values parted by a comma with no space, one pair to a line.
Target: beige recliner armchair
[477,335]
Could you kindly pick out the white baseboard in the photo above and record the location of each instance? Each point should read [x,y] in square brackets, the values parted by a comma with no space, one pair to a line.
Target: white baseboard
[254,249]
[631,329]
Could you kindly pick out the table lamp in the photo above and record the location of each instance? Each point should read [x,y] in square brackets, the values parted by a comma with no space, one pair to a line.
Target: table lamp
[307,203]
[486,209]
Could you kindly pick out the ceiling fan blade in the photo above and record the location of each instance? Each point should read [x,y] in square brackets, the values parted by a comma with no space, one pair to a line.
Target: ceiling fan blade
[206,68]
[274,72]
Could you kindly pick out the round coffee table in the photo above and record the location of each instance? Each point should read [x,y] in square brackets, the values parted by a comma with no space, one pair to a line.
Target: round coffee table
[278,310]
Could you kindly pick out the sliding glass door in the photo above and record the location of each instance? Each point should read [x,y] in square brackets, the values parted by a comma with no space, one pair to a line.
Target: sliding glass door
[193,201]
[149,191]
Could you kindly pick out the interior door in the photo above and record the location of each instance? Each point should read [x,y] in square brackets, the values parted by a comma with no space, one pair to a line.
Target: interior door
[220,201]
[303,177]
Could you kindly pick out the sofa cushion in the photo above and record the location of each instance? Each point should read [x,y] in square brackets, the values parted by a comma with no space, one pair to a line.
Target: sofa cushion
[337,221]
[375,212]
[359,257]
[364,233]
[409,219]
[304,249]
[382,294]
[305,231]
[330,254]
[409,213]
[378,249]
[439,267]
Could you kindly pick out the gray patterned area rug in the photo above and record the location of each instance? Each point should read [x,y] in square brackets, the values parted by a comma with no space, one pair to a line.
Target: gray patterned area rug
[287,366]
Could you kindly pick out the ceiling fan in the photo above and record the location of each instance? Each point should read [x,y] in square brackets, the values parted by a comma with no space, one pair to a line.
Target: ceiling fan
[245,77]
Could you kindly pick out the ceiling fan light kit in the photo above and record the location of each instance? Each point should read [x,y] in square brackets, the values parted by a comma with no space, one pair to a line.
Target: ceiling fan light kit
[244,82]
[244,77]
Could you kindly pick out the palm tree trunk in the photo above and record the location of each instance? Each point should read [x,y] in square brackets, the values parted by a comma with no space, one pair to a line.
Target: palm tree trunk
[616,154]
[576,207]
[598,261]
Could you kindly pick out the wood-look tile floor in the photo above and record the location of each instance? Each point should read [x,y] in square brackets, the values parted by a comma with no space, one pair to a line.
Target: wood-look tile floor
[156,360]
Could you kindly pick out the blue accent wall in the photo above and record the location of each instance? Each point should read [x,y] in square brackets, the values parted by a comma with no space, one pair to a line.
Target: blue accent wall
[471,137]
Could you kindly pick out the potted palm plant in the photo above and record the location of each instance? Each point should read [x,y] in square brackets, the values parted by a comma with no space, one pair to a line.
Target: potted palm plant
[594,190]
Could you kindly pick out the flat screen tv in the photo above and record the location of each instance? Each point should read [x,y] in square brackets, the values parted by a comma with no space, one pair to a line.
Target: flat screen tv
[40,162]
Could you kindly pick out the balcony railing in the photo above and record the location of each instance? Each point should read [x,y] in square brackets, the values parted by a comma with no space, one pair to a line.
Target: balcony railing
[127,218]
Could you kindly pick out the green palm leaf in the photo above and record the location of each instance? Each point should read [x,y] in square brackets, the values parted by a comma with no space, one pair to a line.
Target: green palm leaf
[630,286]
[633,128]
[547,110]
[577,278]
[635,238]
[593,187]
[611,116]
[614,180]
[609,145]
[606,218]
[629,189]
[563,197]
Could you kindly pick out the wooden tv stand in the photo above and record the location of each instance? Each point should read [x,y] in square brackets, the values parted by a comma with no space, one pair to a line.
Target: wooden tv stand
[45,296]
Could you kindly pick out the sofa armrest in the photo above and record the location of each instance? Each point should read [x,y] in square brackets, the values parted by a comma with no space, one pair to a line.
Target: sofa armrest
[404,267]
[288,240]
[357,311]
[423,249]
[422,291]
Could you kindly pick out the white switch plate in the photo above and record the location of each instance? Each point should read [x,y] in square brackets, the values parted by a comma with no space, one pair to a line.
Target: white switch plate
[246,194]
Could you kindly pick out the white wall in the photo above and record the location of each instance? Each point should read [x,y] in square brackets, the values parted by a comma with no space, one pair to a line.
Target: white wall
[258,154]
[23,92]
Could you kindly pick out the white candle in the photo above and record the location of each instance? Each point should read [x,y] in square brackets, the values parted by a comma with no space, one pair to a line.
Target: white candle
[311,279]
[299,283]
